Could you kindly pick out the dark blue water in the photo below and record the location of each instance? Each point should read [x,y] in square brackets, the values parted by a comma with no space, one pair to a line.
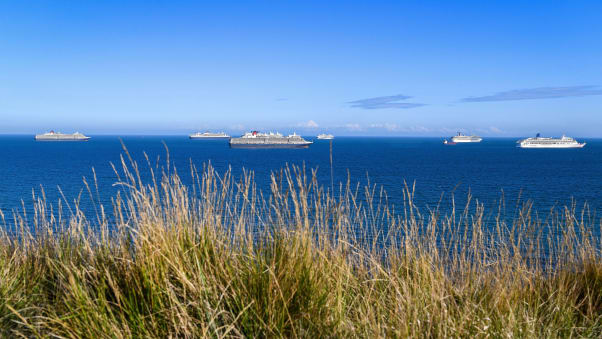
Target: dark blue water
[548,177]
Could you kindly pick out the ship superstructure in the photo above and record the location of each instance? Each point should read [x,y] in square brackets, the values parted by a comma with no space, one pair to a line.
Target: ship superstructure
[209,135]
[466,138]
[325,136]
[541,142]
[257,139]
[58,136]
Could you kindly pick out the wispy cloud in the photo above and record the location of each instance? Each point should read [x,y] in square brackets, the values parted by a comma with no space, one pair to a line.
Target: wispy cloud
[539,93]
[384,102]
[308,124]
[353,126]
[393,127]
[494,129]
[237,127]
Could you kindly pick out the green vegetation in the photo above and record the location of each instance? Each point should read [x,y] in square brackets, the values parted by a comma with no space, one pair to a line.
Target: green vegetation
[219,259]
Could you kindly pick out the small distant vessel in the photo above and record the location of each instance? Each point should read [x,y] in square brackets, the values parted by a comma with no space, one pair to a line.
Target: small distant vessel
[58,136]
[466,138]
[209,135]
[541,142]
[325,136]
[447,142]
[256,139]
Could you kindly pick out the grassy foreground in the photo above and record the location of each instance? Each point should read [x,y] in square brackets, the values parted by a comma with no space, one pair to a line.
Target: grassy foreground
[219,259]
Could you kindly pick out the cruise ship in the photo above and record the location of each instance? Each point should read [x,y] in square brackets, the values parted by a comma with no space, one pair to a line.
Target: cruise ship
[325,136]
[541,142]
[466,138]
[58,136]
[256,139]
[209,135]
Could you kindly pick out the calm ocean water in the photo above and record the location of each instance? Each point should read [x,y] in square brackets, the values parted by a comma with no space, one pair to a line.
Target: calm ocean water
[549,177]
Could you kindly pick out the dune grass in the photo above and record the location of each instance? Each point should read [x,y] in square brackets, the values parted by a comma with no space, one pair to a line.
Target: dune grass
[220,259]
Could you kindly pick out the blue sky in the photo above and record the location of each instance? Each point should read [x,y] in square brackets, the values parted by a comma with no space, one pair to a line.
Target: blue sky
[410,68]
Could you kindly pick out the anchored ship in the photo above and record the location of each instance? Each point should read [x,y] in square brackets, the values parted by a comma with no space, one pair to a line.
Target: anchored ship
[209,135]
[466,138]
[58,136]
[256,139]
[541,142]
[325,136]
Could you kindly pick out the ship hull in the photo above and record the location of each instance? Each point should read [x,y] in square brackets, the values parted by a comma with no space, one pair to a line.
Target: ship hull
[456,140]
[265,145]
[210,138]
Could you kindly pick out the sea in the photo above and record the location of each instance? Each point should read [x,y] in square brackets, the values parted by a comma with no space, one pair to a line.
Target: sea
[494,172]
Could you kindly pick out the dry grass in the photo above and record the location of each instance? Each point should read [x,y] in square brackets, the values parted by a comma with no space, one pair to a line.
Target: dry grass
[219,259]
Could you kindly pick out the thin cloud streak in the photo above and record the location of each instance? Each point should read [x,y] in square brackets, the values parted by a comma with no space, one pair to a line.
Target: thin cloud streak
[538,93]
[384,102]
[308,124]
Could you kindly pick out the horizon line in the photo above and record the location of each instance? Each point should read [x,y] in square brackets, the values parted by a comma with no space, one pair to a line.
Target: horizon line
[306,135]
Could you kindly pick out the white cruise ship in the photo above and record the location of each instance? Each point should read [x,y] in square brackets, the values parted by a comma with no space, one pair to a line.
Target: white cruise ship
[466,138]
[209,135]
[541,142]
[58,136]
[325,136]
